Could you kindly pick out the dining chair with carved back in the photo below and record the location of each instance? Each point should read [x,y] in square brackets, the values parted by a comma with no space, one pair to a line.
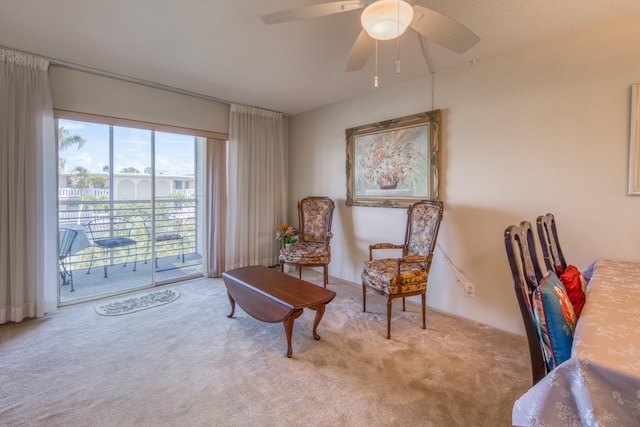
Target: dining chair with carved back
[527,275]
[548,237]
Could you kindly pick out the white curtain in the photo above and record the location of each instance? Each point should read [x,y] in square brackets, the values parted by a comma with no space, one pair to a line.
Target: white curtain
[215,207]
[256,186]
[28,267]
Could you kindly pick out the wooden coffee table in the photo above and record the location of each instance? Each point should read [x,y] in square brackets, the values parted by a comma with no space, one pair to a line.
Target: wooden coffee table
[271,296]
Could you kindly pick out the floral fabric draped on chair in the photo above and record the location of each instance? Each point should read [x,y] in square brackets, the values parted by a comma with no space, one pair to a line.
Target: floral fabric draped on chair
[312,249]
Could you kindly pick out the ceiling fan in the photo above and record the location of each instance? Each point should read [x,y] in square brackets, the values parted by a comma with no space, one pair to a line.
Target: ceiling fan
[385,20]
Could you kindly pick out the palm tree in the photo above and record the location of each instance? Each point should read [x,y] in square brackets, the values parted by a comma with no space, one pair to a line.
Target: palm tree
[130,169]
[83,179]
[80,177]
[66,140]
[98,181]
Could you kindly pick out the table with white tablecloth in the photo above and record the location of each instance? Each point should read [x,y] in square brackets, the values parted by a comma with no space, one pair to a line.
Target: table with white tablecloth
[600,384]
[81,241]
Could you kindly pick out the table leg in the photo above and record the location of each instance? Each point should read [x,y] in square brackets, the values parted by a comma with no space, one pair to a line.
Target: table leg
[319,313]
[288,328]
[233,305]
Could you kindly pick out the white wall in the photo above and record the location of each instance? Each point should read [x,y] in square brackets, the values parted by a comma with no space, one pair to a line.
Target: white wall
[542,129]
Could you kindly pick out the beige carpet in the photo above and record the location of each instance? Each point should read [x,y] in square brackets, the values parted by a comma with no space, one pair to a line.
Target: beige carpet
[187,364]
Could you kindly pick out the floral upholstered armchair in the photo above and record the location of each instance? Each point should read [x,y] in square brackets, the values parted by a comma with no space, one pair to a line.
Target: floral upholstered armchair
[405,276]
[312,249]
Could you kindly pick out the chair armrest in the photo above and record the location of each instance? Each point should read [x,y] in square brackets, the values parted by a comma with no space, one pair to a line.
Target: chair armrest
[414,259]
[385,246]
[411,259]
[382,246]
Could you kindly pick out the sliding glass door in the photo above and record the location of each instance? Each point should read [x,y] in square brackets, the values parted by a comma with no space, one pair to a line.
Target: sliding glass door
[128,214]
[176,226]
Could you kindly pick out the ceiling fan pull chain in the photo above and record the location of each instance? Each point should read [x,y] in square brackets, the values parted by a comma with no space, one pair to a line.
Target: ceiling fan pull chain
[375,80]
[398,59]
[398,45]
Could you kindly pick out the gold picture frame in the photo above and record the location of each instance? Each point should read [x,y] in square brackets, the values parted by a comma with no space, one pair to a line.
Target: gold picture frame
[634,142]
[393,163]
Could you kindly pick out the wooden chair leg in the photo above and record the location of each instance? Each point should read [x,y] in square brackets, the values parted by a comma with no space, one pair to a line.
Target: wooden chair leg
[364,298]
[281,266]
[404,308]
[326,276]
[424,311]
[389,317]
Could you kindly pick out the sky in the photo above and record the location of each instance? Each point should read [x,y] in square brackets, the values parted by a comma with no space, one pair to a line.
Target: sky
[131,148]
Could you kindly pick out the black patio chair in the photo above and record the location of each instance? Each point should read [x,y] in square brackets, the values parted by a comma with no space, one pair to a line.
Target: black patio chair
[66,237]
[109,234]
[168,230]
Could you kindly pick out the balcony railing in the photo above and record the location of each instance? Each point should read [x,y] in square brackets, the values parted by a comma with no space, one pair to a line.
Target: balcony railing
[80,213]
[187,192]
[77,193]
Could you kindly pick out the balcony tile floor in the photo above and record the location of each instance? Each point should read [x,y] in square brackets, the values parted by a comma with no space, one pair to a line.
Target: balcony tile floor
[123,279]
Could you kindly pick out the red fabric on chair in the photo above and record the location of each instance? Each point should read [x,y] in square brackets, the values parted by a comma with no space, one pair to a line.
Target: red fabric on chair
[572,281]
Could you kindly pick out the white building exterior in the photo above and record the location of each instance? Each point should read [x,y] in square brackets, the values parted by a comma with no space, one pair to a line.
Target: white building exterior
[128,186]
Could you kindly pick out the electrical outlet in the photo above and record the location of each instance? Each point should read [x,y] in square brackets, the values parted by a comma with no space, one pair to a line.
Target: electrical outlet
[470,289]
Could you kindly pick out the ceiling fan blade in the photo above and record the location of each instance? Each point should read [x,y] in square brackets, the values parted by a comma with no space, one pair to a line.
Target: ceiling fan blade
[312,11]
[443,30]
[360,52]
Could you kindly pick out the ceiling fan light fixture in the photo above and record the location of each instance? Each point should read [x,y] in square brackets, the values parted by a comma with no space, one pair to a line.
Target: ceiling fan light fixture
[386,19]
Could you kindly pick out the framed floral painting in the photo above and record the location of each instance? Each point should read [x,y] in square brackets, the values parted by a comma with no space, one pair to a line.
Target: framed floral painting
[393,163]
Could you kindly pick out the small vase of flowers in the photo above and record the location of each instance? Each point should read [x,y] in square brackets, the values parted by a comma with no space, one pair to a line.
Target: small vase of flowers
[286,234]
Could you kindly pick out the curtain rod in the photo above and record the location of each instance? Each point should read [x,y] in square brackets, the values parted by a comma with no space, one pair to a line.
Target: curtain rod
[122,77]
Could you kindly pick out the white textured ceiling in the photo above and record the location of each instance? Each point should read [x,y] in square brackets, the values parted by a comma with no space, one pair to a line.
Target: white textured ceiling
[221,48]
